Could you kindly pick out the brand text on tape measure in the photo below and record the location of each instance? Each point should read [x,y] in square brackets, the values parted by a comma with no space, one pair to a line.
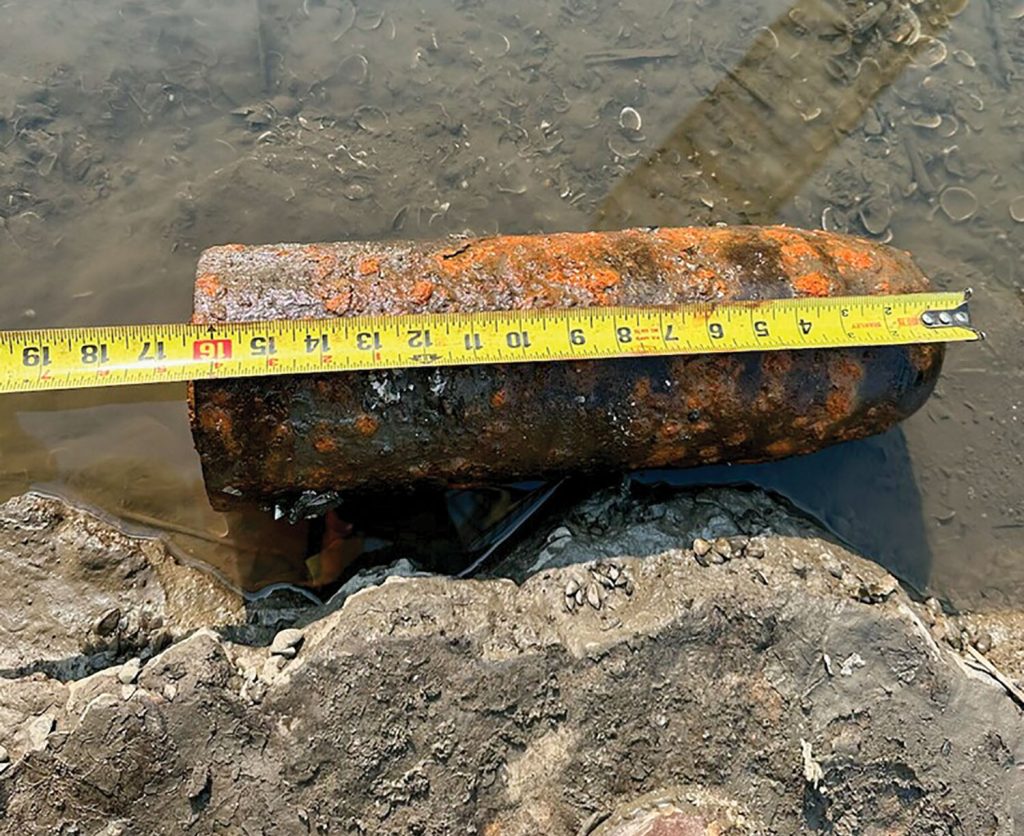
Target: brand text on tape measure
[121,355]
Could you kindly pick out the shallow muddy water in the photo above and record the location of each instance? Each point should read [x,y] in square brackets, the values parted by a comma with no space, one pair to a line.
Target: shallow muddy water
[134,134]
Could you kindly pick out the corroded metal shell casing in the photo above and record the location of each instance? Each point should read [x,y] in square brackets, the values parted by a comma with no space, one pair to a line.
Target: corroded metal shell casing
[269,439]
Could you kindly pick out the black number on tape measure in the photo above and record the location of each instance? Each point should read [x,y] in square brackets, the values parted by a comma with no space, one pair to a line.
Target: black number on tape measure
[35,356]
[805,326]
[518,339]
[670,336]
[473,342]
[576,337]
[716,330]
[149,352]
[317,343]
[262,346]
[761,328]
[624,334]
[368,341]
[93,354]
[420,339]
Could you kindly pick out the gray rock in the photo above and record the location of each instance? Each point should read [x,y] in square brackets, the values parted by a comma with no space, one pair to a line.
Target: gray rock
[107,623]
[4,755]
[287,642]
[38,729]
[129,671]
[439,706]
[198,781]
[65,568]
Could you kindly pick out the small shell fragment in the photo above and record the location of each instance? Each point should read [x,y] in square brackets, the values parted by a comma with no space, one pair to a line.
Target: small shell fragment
[930,51]
[1017,209]
[875,215]
[622,151]
[958,203]
[630,120]
[370,119]
[354,70]
[927,120]
[964,58]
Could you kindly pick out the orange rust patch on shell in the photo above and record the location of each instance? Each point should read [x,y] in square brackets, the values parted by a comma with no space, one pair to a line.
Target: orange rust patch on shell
[851,257]
[339,303]
[422,291]
[845,375]
[369,267]
[923,357]
[844,371]
[839,403]
[790,240]
[599,282]
[781,448]
[670,430]
[208,283]
[323,261]
[813,284]
[366,425]
[680,238]
[236,248]
[581,260]
[324,444]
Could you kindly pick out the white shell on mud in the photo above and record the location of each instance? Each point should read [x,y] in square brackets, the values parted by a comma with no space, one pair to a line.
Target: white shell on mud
[958,203]
[930,52]
[1017,209]
[630,119]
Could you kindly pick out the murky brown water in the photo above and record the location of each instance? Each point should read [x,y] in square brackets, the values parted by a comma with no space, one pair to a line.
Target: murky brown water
[134,134]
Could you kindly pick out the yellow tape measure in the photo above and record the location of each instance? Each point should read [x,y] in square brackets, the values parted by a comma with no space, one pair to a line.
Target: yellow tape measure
[74,358]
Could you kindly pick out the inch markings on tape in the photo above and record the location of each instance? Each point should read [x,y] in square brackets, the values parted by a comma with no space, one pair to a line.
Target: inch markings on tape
[76,358]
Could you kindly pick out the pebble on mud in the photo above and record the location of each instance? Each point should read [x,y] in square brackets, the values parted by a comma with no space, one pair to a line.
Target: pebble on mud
[755,549]
[723,548]
[107,623]
[701,547]
[129,672]
[287,643]
[38,731]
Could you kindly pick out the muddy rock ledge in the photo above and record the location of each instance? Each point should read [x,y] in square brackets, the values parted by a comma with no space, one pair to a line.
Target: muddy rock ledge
[713,665]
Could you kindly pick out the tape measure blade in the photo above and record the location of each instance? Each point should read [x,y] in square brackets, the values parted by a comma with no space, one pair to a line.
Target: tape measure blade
[45,359]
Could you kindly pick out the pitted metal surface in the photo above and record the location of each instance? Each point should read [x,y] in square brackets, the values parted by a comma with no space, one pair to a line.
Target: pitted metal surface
[269,439]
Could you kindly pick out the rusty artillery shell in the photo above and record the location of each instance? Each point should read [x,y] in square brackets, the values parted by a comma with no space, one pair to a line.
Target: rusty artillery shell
[272,438]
